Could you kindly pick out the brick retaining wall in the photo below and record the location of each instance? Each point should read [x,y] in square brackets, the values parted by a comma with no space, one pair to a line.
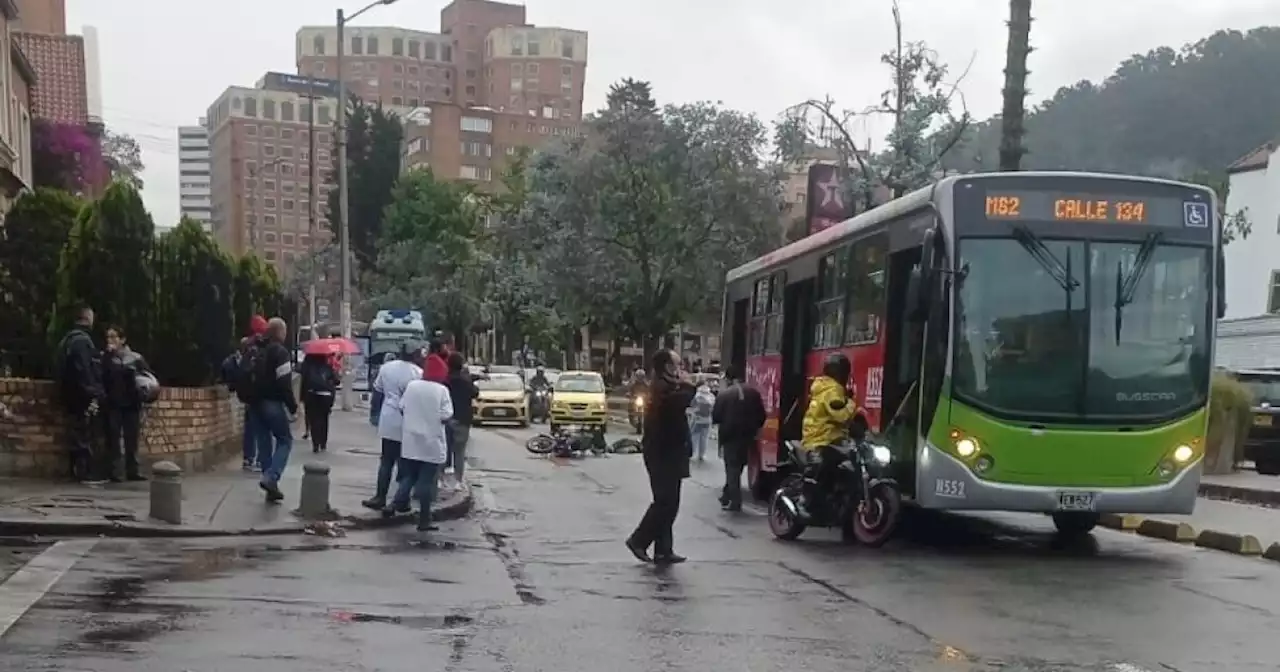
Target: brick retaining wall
[197,428]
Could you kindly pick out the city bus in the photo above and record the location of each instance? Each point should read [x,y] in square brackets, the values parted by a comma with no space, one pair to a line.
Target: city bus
[1035,342]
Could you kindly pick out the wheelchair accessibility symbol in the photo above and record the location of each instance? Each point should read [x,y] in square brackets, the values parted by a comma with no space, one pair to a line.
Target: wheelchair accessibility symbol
[1195,215]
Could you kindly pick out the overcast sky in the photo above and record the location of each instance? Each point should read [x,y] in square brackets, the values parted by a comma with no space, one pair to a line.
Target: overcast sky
[164,61]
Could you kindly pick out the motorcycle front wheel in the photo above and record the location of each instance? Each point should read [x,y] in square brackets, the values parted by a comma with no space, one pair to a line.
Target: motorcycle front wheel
[784,520]
[877,516]
[540,444]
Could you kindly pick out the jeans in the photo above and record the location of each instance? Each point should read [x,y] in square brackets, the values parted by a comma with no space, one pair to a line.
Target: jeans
[273,424]
[419,477]
[120,425]
[457,434]
[387,468]
[698,434]
[252,439]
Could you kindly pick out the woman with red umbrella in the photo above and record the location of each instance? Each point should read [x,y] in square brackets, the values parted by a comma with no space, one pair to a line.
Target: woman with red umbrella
[321,377]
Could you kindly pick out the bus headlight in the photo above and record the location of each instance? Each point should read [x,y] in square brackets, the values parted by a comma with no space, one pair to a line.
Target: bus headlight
[966,447]
[1183,454]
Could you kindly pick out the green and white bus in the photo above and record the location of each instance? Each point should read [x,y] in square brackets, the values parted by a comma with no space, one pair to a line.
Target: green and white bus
[1036,342]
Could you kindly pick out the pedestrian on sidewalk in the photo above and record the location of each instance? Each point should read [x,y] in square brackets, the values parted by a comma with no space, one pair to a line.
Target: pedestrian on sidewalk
[276,407]
[436,368]
[700,420]
[81,395]
[462,392]
[666,450]
[236,375]
[319,383]
[427,408]
[388,389]
[739,413]
[121,369]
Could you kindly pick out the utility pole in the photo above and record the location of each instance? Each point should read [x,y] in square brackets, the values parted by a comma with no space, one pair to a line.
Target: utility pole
[311,197]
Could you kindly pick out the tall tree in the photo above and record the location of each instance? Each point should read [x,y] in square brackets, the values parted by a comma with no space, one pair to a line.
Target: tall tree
[1015,86]
[926,127]
[123,157]
[34,233]
[640,219]
[374,137]
[1236,225]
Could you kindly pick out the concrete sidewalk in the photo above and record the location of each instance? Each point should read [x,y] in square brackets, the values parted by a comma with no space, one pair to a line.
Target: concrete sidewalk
[227,501]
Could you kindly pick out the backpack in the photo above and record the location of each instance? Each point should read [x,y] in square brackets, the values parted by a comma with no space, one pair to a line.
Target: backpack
[248,374]
[702,406]
[318,379]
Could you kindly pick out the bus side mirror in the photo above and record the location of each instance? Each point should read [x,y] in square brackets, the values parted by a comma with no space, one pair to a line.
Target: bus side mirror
[920,287]
[1220,284]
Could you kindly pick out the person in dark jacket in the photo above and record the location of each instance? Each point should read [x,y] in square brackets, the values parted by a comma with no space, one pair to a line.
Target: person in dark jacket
[121,367]
[739,413]
[275,407]
[231,373]
[666,449]
[462,391]
[80,393]
[320,382]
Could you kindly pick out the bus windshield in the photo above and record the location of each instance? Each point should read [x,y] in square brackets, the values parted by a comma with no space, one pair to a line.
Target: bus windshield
[1075,329]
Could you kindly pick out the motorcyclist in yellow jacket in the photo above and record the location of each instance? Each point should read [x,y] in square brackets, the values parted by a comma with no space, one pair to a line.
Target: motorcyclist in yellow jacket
[827,421]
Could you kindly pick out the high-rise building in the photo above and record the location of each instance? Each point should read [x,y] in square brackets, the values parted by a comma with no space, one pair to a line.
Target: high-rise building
[193,173]
[261,165]
[43,16]
[487,84]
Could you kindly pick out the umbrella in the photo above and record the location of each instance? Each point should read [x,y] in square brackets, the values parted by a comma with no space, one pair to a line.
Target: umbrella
[330,346]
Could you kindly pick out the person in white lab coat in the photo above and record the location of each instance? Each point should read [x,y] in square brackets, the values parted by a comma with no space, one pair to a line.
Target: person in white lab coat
[389,386]
[426,408]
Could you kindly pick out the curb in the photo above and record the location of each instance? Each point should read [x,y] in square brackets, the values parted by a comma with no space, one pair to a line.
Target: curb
[452,510]
[1239,544]
[1169,531]
[1120,521]
[1236,493]
[1272,552]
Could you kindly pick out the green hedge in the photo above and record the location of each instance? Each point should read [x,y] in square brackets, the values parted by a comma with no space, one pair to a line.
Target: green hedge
[1229,402]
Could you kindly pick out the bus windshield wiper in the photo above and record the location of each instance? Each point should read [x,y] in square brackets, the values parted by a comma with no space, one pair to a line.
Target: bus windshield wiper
[1042,254]
[1127,285]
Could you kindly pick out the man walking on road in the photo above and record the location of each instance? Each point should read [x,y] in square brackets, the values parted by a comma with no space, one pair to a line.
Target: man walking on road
[739,413]
[276,407]
[666,450]
[389,386]
[81,394]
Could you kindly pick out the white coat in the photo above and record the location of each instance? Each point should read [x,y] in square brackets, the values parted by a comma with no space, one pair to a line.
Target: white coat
[427,407]
[392,379]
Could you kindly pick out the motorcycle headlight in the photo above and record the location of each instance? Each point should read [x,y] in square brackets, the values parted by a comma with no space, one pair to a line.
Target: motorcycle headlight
[881,454]
[639,402]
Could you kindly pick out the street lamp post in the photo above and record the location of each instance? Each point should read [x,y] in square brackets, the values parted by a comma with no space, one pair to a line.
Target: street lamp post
[344,245]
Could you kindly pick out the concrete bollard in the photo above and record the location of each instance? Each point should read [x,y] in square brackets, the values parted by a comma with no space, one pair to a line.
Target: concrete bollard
[166,492]
[313,501]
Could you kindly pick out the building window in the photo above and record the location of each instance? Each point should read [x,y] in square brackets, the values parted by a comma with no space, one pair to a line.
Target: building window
[446,53]
[397,100]
[477,124]
[413,49]
[414,102]
[269,185]
[566,71]
[413,85]
[357,45]
[517,45]
[250,107]
[286,169]
[286,152]
[268,150]
[566,87]
[471,74]
[287,204]
[535,49]
[566,48]
[397,46]
[318,67]
[397,84]
[317,45]
[269,221]
[286,111]
[397,69]
[471,91]
[268,237]
[287,133]
[413,70]
[287,187]
[268,131]
[287,238]
[532,70]
[269,203]
[517,84]
[1273,297]
[371,45]
[357,67]
[429,51]
[250,129]
[417,145]
[270,255]
[268,109]
[548,112]
[322,115]
[479,173]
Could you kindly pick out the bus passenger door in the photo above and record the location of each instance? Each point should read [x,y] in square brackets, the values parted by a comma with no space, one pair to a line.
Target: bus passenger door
[903,342]
[797,339]
[737,335]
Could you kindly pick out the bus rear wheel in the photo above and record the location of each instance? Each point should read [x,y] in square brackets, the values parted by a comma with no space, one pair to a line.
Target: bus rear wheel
[1075,524]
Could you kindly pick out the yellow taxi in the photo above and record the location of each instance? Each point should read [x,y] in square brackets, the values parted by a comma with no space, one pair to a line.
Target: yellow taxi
[578,398]
[502,399]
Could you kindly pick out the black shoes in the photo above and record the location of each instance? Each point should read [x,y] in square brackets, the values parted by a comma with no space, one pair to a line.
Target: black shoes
[273,492]
[642,554]
[668,559]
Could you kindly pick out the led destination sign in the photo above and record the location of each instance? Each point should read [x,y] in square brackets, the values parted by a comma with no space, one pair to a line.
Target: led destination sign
[1045,206]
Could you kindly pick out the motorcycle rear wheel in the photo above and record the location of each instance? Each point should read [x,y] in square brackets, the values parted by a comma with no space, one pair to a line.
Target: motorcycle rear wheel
[783,523]
[541,444]
[877,517]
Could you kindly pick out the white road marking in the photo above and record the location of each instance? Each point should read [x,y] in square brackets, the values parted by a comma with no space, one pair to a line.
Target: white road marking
[1127,667]
[27,585]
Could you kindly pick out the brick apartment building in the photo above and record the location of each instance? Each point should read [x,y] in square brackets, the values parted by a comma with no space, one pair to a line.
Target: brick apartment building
[260,166]
[60,94]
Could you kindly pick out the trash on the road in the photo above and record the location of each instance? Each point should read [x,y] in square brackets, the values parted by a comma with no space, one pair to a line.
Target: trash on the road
[325,528]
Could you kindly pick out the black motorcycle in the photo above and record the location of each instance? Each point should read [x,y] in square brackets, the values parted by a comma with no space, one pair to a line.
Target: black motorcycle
[636,412]
[540,405]
[863,501]
[568,442]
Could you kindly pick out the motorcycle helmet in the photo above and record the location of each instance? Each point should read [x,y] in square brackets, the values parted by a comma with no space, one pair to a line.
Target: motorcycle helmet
[838,368]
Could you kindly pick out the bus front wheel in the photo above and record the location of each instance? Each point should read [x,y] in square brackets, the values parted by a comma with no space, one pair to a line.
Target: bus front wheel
[1075,524]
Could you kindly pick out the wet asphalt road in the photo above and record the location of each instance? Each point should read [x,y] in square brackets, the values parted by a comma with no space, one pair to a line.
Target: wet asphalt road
[538,580]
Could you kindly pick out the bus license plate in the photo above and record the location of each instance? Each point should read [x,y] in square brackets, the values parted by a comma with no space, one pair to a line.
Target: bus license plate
[1077,501]
[1262,420]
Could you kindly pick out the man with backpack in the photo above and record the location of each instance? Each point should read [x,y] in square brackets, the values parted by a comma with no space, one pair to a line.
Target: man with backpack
[739,413]
[81,394]
[236,370]
[270,379]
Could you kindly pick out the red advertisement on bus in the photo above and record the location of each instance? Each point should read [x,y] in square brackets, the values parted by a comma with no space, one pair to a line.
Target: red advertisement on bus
[764,373]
